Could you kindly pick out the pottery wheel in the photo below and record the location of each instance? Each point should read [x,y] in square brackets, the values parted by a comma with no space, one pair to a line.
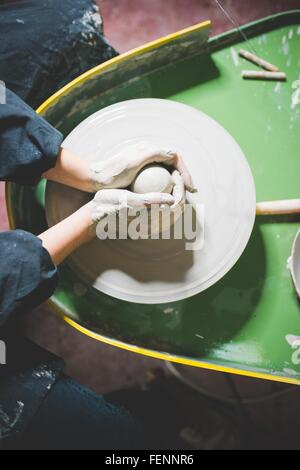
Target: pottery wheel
[159,271]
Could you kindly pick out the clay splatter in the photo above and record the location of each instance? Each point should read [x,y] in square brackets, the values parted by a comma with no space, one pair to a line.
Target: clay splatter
[285,48]
[247,350]
[168,311]
[290,372]
[7,423]
[92,17]
[294,342]
[234,56]
[296,94]
[277,87]
[199,336]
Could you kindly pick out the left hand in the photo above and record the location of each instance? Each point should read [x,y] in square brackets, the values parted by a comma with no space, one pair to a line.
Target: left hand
[117,172]
[121,170]
[179,191]
[111,201]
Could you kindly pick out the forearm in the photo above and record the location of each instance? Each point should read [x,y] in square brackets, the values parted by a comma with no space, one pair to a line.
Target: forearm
[68,235]
[28,144]
[30,148]
[72,171]
[27,276]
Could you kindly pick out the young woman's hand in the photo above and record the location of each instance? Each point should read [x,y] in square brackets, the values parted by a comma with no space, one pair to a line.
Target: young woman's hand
[121,170]
[72,171]
[79,228]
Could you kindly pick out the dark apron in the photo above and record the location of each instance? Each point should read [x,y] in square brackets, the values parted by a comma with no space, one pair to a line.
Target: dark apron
[43,45]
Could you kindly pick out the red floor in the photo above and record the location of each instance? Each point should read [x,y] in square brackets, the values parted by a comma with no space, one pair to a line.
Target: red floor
[129,23]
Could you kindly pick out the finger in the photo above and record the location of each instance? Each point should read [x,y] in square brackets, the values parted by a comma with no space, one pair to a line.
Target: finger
[109,196]
[151,198]
[183,170]
[170,157]
[179,188]
[145,160]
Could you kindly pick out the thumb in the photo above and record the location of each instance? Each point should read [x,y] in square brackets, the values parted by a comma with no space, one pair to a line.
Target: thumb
[154,198]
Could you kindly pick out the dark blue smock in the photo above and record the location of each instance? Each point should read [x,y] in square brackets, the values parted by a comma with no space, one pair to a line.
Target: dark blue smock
[28,147]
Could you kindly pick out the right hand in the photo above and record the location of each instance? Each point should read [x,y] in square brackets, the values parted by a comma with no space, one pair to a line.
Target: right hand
[121,170]
[111,201]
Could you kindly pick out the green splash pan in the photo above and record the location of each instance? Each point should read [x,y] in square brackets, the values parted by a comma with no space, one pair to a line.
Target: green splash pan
[244,323]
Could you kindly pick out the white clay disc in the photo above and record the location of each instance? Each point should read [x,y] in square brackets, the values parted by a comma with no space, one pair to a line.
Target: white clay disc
[153,179]
[294,263]
[160,271]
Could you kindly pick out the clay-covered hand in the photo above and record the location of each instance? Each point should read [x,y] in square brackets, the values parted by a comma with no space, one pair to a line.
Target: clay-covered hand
[179,190]
[121,170]
[111,201]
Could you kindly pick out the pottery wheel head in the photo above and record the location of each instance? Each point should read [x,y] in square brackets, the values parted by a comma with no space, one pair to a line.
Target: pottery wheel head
[294,263]
[159,271]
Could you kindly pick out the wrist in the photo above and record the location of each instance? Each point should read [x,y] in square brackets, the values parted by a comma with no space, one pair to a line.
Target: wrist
[84,217]
[72,171]
[69,234]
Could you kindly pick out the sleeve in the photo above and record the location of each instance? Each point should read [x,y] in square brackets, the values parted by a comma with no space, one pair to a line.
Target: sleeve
[29,145]
[27,276]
